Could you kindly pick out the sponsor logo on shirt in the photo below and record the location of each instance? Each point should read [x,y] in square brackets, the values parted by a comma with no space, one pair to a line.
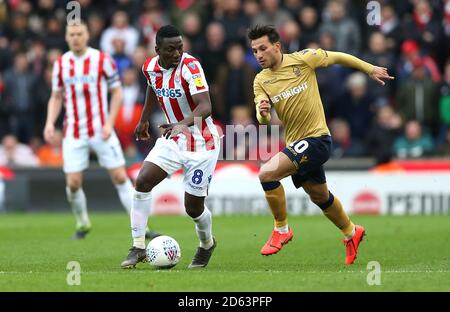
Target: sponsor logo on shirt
[170,93]
[287,94]
[79,79]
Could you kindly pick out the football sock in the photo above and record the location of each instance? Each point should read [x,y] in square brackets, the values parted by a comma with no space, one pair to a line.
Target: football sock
[125,191]
[139,216]
[77,201]
[277,202]
[203,227]
[334,211]
[283,229]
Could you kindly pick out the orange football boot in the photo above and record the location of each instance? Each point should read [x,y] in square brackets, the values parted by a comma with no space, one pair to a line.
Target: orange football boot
[276,241]
[352,244]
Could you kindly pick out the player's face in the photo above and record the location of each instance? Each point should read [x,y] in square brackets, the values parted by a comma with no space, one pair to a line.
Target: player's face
[170,51]
[265,52]
[77,37]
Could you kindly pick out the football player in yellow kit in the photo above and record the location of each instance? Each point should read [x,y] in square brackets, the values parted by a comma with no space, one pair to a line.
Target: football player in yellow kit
[288,83]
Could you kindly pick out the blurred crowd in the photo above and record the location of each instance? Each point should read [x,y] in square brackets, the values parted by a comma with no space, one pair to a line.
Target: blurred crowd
[408,118]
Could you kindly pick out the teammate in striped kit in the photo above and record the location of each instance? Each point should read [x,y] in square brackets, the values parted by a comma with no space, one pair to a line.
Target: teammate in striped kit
[190,141]
[82,78]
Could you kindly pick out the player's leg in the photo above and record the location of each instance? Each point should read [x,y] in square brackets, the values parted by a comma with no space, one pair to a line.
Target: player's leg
[78,203]
[199,168]
[162,160]
[76,159]
[123,186]
[149,176]
[277,168]
[334,211]
[202,217]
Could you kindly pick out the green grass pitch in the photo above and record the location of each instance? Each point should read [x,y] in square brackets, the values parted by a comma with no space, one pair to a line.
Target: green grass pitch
[413,251]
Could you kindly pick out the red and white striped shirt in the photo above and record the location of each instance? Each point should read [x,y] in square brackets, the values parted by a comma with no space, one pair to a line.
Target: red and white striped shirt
[84,81]
[174,88]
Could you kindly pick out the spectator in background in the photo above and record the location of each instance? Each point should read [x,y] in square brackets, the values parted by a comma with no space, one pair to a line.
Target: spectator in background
[443,148]
[36,57]
[290,35]
[50,154]
[5,53]
[357,105]
[54,37]
[272,14]
[41,93]
[251,8]
[309,25]
[151,21]
[444,101]
[417,98]
[96,25]
[19,82]
[19,34]
[234,83]
[192,30]
[4,111]
[410,53]
[383,133]
[130,111]
[344,144]
[344,29]
[123,61]
[415,143]
[244,148]
[378,53]
[13,153]
[120,28]
[390,27]
[234,21]
[422,27]
[214,51]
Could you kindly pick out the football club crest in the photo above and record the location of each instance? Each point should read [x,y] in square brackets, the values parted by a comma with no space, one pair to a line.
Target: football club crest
[192,65]
[296,70]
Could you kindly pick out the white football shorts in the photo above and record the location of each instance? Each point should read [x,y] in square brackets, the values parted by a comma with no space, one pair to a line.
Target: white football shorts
[198,166]
[76,153]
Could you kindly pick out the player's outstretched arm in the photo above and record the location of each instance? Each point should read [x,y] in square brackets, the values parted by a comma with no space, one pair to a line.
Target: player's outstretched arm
[379,74]
[201,111]
[141,130]
[53,110]
[116,102]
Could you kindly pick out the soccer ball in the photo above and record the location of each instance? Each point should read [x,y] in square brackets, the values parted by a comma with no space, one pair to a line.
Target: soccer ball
[163,252]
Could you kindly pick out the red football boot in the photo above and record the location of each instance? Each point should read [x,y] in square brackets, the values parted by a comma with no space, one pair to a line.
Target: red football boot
[352,244]
[276,241]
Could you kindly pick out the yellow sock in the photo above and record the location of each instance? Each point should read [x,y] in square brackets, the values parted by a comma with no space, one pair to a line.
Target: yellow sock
[277,203]
[339,217]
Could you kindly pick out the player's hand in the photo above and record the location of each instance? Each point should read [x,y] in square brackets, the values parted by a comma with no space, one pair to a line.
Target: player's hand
[141,131]
[174,129]
[380,74]
[49,132]
[106,131]
[264,108]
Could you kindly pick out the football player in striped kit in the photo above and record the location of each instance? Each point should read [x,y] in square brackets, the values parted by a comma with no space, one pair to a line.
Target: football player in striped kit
[81,79]
[177,83]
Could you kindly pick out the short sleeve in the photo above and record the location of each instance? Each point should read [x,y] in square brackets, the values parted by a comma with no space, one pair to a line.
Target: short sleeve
[194,76]
[57,82]
[313,58]
[110,72]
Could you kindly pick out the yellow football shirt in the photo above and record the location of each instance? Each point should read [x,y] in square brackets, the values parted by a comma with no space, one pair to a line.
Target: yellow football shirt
[293,91]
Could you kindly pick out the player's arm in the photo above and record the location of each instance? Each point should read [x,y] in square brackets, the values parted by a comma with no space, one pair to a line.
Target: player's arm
[262,104]
[115,87]
[141,130]
[116,102]
[54,107]
[379,74]
[201,111]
